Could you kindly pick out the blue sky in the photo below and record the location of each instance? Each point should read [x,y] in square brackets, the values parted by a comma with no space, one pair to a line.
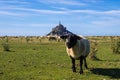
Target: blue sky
[38,17]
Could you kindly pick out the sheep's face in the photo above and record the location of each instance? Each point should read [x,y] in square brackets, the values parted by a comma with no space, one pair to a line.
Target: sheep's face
[70,40]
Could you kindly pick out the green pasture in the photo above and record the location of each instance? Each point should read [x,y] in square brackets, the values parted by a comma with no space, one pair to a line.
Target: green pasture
[47,60]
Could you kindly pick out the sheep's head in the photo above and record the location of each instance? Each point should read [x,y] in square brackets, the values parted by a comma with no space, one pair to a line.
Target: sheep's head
[70,39]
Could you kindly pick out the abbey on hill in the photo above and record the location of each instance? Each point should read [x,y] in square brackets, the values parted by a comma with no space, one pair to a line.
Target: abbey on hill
[58,30]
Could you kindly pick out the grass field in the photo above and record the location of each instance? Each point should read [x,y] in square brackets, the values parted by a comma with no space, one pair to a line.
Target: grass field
[47,60]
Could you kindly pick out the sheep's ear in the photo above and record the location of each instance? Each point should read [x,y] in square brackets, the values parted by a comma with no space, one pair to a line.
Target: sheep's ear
[63,37]
[77,37]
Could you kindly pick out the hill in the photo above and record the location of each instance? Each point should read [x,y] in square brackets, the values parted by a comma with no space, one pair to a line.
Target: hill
[58,30]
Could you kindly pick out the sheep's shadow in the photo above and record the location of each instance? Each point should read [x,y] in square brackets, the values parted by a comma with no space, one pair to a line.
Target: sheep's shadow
[111,72]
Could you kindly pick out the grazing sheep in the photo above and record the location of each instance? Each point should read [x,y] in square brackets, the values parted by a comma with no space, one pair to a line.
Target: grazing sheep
[77,48]
[52,38]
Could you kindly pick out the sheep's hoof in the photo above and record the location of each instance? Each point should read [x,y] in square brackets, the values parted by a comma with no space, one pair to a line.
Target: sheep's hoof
[86,66]
[81,72]
[73,69]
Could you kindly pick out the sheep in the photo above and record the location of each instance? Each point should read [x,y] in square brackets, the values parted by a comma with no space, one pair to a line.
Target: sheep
[77,48]
[52,38]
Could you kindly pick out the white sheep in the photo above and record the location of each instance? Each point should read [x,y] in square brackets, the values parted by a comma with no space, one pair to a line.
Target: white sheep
[77,48]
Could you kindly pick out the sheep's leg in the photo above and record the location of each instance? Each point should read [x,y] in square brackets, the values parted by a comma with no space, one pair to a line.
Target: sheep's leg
[85,63]
[81,63]
[73,65]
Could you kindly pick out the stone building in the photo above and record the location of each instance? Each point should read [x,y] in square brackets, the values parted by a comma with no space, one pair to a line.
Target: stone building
[58,30]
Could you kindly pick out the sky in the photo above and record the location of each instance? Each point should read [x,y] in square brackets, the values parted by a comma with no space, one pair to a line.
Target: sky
[38,17]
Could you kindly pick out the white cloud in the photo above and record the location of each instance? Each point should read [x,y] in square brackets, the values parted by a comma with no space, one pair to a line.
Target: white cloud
[65,2]
[112,12]
[107,23]
[9,13]
[13,2]
[33,25]
[109,12]
[93,1]
[60,8]
[17,11]
[41,11]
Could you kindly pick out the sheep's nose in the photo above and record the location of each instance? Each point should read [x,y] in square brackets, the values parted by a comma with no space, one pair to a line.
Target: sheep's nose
[67,41]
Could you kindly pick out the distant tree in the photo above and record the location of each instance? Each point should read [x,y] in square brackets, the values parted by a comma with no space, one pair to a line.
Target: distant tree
[94,50]
[115,45]
[5,44]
